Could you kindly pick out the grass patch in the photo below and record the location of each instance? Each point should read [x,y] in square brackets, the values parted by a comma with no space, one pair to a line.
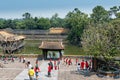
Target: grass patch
[73,50]
[31,47]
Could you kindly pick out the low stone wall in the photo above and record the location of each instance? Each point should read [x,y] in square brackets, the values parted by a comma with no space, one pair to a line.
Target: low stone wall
[40,56]
[24,55]
[78,56]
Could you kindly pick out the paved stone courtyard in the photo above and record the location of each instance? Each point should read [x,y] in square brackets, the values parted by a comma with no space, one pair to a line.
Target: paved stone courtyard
[70,73]
[13,70]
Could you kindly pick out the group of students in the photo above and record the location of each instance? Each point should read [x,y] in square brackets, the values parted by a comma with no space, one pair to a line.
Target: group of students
[6,59]
[67,61]
[33,71]
[56,66]
[81,65]
[84,65]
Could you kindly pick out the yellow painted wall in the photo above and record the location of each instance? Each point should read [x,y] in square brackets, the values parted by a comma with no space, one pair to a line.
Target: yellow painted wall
[57,30]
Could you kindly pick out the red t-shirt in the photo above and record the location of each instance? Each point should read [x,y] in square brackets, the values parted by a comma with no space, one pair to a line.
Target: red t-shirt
[87,65]
[49,68]
[82,65]
[37,69]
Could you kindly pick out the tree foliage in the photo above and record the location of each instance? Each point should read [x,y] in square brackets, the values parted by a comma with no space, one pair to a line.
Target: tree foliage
[76,21]
[99,15]
[113,11]
[56,21]
[43,23]
[102,40]
[26,15]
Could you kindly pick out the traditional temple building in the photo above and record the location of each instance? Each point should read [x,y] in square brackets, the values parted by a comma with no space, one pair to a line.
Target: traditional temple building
[10,42]
[58,31]
[51,50]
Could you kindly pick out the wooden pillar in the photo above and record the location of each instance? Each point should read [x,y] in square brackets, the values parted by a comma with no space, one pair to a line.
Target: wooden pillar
[60,54]
[43,54]
[46,54]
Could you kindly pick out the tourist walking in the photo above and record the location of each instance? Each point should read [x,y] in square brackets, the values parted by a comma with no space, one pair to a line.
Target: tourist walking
[31,74]
[66,61]
[51,64]
[23,59]
[37,70]
[69,62]
[90,64]
[13,59]
[55,65]
[82,65]
[76,61]
[5,60]
[58,64]
[49,70]
[28,64]
[78,67]
[86,64]
[20,59]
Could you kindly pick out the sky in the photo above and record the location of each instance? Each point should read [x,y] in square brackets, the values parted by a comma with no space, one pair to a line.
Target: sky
[12,9]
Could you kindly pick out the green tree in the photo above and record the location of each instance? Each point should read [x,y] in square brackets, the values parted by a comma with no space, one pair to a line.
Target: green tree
[28,21]
[114,10]
[9,24]
[1,23]
[76,21]
[99,15]
[20,24]
[43,23]
[118,15]
[26,15]
[102,40]
[56,21]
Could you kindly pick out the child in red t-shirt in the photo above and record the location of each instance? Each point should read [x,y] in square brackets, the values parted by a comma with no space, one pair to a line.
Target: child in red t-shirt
[37,70]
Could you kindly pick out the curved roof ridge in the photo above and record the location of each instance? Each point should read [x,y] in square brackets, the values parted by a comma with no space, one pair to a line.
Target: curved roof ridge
[51,45]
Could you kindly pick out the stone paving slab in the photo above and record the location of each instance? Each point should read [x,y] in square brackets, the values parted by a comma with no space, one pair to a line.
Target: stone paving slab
[23,75]
[9,73]
[43,73]
[70,73]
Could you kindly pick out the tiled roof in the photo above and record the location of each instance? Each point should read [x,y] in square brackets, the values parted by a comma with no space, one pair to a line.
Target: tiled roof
[51,45]
[5,36]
